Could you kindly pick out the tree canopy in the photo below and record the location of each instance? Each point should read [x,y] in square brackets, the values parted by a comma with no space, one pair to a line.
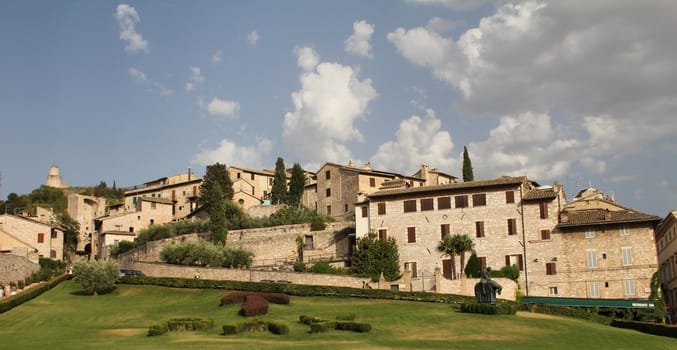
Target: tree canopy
[215,173]
[217,214]
[375,256]
[96,276]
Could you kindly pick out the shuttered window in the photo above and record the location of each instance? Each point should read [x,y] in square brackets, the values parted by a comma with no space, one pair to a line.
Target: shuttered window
[545,235]
[372,182]
[444,230]
[410,206]
[543,209]
[382,234]
[515,259]
[461,201]
[550,269]
[443,203]
[591,258]
[627,255]
[509,196]
[479,200]
[479,229]
[364,212]
[512,227]
[411,234]
[426,204]
[41,238]
[381,209]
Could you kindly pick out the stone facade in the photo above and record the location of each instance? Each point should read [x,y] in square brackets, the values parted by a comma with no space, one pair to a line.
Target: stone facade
[493,213]
[84,210]
[182,190]
[14,268]
[251,186]
[666,245]
[27,233]
[606,250]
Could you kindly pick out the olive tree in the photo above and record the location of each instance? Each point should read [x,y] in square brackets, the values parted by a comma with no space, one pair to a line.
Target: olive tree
[96,276]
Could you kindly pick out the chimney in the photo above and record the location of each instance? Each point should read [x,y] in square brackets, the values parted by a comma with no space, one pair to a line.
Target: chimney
[367,166]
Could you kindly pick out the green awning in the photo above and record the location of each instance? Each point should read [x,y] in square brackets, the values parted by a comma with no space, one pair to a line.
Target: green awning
[614,303]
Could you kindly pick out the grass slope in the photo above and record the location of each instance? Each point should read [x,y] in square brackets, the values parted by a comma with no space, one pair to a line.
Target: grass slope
[64,319]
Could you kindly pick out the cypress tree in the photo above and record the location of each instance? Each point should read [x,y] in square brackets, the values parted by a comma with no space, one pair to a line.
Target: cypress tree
[296,185]
[467,166]
[215,173]
[279,191]
[217,214]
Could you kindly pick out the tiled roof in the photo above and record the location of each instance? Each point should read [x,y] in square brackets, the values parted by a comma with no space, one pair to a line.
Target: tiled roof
[501,181]
[602,216]
[537,194]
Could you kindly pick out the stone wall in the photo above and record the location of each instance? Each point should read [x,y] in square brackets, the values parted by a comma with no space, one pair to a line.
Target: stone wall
[271,246]
[466,286]
[14,268]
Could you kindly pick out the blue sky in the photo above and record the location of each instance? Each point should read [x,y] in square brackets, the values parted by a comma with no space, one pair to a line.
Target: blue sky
[575,92]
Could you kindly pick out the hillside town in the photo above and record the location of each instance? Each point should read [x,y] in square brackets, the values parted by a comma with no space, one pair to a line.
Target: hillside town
[582,246]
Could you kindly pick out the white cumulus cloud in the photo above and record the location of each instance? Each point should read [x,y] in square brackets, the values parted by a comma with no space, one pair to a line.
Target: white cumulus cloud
[127,18]
[331,98]
[418,140]
[228,152]
[141,79]
[224,108]
[358,43]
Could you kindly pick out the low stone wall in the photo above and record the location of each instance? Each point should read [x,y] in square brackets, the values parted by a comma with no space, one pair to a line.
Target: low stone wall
[178,271]
[14,268]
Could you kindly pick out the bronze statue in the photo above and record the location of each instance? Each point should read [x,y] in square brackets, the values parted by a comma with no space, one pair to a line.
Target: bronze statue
[486,288]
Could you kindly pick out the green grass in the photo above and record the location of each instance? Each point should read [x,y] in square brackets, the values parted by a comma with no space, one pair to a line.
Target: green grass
[63,319]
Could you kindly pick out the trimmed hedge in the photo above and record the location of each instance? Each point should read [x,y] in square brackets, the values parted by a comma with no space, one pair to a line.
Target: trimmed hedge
[256,325]
[345,317]
[650,328]
[309,320]
[179,324]
[11,302]
[488,309]
[331,325]
[254,305]
[298,289]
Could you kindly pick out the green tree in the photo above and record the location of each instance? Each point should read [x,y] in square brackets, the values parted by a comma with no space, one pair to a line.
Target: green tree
[463,244]
[95,276]
[474,267]
[296,185]
[217,214]
[374,256]
[467,166]
[71,233]
[279,191]
[215,173]
[453,245]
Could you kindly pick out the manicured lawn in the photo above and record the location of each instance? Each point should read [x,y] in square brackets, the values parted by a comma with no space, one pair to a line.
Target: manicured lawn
[63,319]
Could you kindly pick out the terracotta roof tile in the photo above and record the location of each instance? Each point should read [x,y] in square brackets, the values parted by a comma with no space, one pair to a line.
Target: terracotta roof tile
[502,181]
[602,216]
[540,194]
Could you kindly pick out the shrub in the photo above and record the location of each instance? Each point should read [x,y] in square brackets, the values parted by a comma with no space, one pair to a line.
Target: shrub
[512,272]
[234,298]
[158,329]
[180,324]
[321,267]
[255,325]
[276,327]
[20,284]
[644,327]
[308,319]
[317,224]
[319,327]
[353,326]
[237,257]
[566,311]
[254,305]
[345,317]
[488,309]
[300,266]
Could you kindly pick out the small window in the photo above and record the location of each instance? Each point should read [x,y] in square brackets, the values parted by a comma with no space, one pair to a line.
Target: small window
[328,192]
[253,176]
[624,230]
[53,233]
[461,201]
[329,210]
[591,258]
[509,197]
[153,205]
[479,200]
[41,238]
[629,287]
[382,234]
[553,290]
[365,212]
[593,289]
[515,259]
[411,234]
[627,255]
[345,208]
[238,175]
[410,206]
[372,182]
[308,242]
[443,203]
[411,266]
[426,204]
[479,229]
[444,230]
[543,210]
[327,174]
[550,268]
[589,233]
[131,228]
[512,227]
[545,235]
[52,254]
[381,209]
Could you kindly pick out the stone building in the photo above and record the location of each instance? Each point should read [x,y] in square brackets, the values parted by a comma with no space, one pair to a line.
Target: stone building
[666,246]
[183,190]
[29,237]
[499,215]
[339,187]
[54,178]
[85,209]
[251,187]
[123,225]
[606,250]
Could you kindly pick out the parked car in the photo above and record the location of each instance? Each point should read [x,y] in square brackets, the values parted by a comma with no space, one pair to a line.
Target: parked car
[128,272]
